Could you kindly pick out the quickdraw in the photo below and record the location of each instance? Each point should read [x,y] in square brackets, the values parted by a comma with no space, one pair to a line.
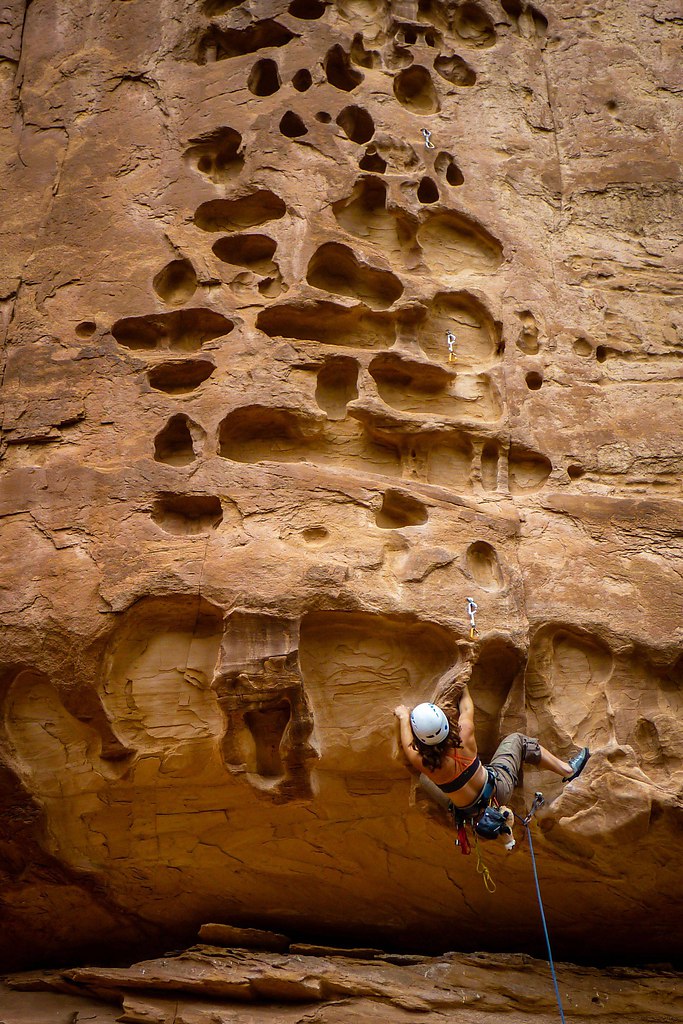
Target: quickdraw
[472,608]
[427,137]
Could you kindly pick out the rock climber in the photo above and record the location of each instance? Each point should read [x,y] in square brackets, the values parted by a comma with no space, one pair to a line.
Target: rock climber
[443,749]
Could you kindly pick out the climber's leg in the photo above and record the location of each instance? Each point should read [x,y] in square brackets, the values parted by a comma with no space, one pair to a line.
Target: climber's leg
[434,793]
[518,749]
[553,764]
[514,751]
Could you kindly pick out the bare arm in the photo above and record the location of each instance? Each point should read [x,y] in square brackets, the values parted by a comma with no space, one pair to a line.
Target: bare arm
[450,685]
[406,733]
[466,718]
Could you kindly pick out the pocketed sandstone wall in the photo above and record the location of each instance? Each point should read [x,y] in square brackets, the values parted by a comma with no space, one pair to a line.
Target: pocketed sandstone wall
[246,492]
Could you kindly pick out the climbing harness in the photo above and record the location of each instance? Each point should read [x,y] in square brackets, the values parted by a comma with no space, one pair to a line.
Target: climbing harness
[463,842]
[472,608]
[473,813]
[450,341]
[427,137]
[538,802]
[485,822]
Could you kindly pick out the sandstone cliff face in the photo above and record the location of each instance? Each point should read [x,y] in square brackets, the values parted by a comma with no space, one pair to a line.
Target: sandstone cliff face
[247,488]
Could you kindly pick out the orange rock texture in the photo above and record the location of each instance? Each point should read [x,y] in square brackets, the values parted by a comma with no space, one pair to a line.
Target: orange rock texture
[320,318]
[309,985]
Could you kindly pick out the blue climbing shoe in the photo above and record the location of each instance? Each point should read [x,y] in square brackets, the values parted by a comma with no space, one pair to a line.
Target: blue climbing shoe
[577,763]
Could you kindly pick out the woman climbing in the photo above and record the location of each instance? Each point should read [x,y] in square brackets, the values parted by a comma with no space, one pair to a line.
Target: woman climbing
[444,750]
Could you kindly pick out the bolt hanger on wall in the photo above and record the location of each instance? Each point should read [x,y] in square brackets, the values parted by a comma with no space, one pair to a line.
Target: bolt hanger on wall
[450,341]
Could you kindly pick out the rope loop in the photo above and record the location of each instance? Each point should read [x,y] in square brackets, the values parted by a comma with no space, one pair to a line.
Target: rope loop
[482,870]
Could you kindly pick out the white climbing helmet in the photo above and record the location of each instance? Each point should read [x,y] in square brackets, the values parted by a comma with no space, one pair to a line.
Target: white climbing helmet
[429,724]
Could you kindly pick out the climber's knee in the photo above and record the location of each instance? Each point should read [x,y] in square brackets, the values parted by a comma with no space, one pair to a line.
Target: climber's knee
[508,758]
[531,750]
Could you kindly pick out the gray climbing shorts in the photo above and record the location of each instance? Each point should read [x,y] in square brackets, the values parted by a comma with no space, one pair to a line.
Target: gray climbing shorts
[506,764]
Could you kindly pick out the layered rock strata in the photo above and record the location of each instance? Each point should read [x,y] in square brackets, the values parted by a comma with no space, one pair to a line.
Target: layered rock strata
[320,318]
[207,985]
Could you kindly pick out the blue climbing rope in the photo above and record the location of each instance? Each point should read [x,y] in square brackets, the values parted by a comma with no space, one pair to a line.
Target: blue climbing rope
[538,802]
[545,927]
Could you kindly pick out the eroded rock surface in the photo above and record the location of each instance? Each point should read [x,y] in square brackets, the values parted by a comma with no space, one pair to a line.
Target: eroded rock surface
[208,985]
[248,484]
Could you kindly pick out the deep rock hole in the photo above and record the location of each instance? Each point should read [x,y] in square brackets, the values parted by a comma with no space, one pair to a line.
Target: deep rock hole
[292,126]
[187,514]
[183,330]
[180,376]
[244,212]
[336,386]
[427,191]
[445,165]
[372,161]
[221,44]
[357,124]
[399,510]
[335,268]
[252,251]
[216,155]
[302,80]
[176,283]
[264,78]
[414,89]
[174,445]
[339,71]
[308,10]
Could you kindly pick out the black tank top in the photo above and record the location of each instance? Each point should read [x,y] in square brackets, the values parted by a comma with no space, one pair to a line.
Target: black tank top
[462,779]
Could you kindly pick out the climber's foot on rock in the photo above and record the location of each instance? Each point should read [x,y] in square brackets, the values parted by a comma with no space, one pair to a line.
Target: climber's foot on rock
[577,763]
